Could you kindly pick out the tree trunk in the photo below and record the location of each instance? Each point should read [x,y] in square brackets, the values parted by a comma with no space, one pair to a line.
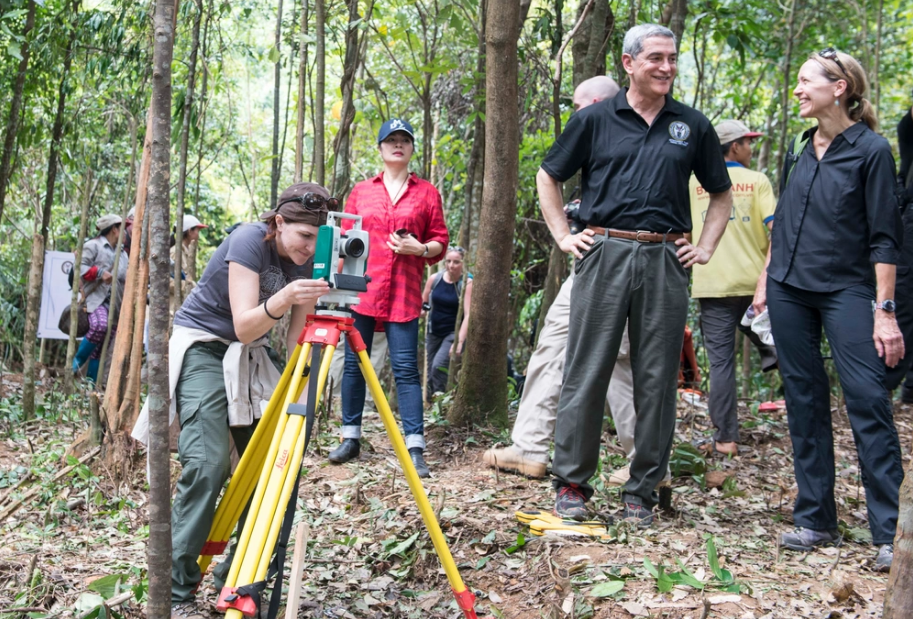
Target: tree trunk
[277,87]
[191,269]
[302,92]
[36,270]
[876,69]
[898,600]
[77,260]
[482,394]
[159,545]
[355,49]
[787,91]
[182,157]
[674,17]
[320,94]
[12,123]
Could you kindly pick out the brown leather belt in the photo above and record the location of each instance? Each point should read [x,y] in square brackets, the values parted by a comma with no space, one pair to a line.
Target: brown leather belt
[641,236]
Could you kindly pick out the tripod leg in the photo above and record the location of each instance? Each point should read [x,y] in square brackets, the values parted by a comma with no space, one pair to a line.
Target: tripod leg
[278,479]
[245,537]
[465,598]
[243,481]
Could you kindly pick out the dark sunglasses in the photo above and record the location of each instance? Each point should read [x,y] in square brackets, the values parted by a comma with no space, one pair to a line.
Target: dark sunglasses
[313,200]
[456,248]
[830,53]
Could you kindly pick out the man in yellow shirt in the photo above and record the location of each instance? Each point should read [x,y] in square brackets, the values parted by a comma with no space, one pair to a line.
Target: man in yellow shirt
[724,287]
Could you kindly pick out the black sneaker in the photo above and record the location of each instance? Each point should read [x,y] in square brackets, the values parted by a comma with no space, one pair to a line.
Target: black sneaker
[808,539]
[885,558]
[418,461]
[570,503]
[639,515]
[348,450]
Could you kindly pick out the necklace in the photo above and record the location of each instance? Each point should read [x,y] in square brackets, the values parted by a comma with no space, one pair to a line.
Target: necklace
[395,196]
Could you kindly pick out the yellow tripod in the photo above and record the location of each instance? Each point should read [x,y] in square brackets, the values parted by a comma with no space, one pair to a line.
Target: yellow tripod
[272,467]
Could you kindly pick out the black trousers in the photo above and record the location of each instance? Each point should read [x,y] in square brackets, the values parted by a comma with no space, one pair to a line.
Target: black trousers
[797,317]
[903,296]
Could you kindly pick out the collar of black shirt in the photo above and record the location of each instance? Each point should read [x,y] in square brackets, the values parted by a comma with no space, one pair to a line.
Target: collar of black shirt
[850,134]
[671,105]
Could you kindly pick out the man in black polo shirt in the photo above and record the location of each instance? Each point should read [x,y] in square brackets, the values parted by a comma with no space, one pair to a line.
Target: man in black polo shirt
[636,152]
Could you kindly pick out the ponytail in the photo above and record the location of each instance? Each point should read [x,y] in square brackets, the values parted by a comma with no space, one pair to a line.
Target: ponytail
[865,112]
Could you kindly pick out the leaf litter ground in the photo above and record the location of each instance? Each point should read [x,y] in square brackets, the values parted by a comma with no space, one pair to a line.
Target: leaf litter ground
[714,554]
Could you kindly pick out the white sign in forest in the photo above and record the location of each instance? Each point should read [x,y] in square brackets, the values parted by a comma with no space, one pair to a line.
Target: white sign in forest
[55,293]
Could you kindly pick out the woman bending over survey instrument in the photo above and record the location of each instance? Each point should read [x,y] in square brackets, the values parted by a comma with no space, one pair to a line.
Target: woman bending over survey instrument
[219,350]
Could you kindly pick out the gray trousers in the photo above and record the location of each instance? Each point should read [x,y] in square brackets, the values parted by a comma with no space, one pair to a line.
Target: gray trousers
[719,321]
[644,284]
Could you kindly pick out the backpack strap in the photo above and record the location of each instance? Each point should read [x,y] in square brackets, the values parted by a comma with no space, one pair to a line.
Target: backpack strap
[792,155]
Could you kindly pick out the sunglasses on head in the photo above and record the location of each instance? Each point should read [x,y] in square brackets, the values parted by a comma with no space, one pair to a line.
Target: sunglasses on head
[313,200]
[457,249]
[830,53]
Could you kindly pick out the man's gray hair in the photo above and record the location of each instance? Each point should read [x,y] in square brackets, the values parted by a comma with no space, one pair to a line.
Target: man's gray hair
[634,38]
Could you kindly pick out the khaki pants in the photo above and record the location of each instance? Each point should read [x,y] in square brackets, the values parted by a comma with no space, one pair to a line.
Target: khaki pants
[535,426]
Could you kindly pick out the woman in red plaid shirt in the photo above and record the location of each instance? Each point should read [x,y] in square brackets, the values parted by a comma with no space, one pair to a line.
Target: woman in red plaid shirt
[405,219]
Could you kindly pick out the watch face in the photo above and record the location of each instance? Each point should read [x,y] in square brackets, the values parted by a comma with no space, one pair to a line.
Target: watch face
[888,305]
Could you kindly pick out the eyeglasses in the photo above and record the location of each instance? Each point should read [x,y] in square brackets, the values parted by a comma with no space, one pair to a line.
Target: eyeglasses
[457,249]
[313,200]
[831,54]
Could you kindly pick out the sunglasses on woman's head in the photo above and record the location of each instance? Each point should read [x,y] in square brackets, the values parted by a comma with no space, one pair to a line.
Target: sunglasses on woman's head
[830,53]
[456,249]
[315,201]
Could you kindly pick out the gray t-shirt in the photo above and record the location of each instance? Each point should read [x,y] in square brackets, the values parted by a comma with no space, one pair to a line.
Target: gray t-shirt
[208,306]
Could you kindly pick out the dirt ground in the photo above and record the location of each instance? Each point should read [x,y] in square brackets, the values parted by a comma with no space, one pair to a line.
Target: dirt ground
[369,556]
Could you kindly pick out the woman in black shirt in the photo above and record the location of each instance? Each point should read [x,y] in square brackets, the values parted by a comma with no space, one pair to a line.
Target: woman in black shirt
[834,248]
[441,299]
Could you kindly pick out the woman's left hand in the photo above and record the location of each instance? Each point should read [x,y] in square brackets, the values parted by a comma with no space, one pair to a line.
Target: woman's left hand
[887,337]
[406,245]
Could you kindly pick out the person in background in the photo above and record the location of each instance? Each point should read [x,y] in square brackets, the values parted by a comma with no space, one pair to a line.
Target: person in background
[405,219]
[96,275]
[725,286]
[904,286]
[192,227]
[534,427]
[834,247]
[441,301]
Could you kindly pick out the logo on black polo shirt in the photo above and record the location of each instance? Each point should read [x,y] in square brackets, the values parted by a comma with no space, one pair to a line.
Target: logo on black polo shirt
[679,132]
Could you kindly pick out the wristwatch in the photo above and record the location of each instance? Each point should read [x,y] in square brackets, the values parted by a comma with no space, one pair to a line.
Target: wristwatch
[426,251]
[887,305]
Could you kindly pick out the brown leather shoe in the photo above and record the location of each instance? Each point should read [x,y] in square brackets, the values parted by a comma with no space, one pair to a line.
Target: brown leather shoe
[508,459]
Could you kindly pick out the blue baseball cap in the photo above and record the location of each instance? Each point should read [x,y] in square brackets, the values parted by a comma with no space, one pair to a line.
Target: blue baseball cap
[393,125]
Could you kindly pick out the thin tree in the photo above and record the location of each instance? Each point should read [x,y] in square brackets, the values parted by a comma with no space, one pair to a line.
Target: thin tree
[36,267]
[302,92]
[158,548]
[898,601]
[320,92]
[277,73]
[12,123]
[482,393]
[88,190]
[191,268]
[186,112]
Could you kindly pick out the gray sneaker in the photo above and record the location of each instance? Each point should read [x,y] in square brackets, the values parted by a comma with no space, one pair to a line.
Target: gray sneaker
[808,539]
[885,558]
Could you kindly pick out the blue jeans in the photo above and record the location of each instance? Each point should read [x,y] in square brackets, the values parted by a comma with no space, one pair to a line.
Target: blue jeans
[402,342]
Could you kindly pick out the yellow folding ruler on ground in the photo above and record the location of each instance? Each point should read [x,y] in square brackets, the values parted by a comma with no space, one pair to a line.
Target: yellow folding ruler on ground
[541,522]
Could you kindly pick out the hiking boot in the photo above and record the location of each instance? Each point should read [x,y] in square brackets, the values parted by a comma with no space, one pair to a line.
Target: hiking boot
[418,461]
[348,450]
[808,539]
[885,558]
[508,459]
[619,477]
[570,503]
[187,610]
[906,394]
[639,515]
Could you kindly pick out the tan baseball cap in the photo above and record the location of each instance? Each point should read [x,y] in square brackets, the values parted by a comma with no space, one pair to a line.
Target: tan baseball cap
[731,130]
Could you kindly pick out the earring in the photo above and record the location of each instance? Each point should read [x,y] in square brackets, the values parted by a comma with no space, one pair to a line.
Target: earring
[837,102]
